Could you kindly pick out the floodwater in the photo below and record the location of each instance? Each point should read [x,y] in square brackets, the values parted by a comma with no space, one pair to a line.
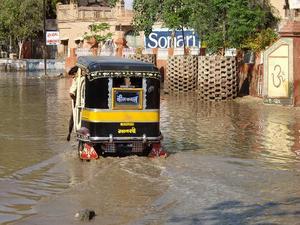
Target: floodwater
[230,163]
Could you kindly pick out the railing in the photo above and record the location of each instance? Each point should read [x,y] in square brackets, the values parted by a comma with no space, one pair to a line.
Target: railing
[71,12]
[83,52]
[95,13]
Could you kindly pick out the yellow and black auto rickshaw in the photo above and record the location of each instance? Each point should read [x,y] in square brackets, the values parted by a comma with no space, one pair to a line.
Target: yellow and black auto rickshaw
[117,107]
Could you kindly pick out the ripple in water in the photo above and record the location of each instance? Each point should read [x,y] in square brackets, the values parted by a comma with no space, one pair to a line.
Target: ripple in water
[240,128]
[216,148]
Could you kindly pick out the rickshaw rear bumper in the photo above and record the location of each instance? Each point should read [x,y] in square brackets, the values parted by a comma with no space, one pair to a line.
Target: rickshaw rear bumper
[112,139]
[84,134]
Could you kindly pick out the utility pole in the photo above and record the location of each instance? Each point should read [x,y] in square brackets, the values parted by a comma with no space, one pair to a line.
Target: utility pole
[10,44]
[45,44]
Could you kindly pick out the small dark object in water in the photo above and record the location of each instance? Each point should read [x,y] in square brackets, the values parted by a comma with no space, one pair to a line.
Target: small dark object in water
[85,214]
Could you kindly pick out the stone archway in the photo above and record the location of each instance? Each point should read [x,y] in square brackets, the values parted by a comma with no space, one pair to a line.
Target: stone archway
[282,67]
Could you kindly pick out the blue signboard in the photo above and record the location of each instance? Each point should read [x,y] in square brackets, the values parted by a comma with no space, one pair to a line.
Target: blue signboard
[163,39]
[127,98]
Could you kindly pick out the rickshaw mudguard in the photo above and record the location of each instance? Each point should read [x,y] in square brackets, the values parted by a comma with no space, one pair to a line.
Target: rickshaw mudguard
[157,151]
[87,152]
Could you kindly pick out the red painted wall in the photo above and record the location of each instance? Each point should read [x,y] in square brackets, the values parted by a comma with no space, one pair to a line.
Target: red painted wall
[296,71]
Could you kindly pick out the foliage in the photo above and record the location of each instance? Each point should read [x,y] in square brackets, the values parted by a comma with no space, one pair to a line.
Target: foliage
[21,19]
[98,31]
[176,13]
[112,3]
[228,23]
[220,23]
[51,8]
[261,41]
[146,13]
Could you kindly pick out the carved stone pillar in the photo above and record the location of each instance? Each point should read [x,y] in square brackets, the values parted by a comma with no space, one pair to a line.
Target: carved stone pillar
[282,67]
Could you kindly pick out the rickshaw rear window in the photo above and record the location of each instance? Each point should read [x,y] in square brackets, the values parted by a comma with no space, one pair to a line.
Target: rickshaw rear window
[96,94]
[134,82]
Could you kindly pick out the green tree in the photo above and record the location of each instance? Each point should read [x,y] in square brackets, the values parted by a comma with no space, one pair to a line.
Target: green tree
[173,13]
[261,41]
[21,20]
[176,15]
[51,8]
[220,23]
[112,3]
[146,13]
[98,32]
[230,23]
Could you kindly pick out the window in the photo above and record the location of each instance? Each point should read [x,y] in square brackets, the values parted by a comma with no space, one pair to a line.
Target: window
[133,82]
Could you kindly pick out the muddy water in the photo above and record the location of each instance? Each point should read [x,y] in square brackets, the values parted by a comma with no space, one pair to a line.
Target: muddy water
[230,163]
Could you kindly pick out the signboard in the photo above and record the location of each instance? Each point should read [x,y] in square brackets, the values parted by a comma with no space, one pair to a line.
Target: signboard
[52,38]
[294,4]
[230,52]
[278,72]
[127,98]
[162,38]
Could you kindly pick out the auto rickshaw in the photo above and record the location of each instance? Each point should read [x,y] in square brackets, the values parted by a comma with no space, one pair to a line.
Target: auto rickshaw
[117,107]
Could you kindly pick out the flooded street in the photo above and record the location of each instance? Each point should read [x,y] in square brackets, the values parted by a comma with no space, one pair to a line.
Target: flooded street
[230,163]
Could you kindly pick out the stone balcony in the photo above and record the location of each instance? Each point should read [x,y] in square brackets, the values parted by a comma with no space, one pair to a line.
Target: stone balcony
[72,13]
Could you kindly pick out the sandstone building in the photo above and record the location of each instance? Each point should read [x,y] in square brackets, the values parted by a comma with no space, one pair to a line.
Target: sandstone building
[73,20]
[282,10]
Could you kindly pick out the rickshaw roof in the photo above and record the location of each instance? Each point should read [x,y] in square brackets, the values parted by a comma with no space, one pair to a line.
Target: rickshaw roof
[108,66]
[98,63]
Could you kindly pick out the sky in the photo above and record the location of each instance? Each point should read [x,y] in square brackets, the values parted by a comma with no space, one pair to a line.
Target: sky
[128,4]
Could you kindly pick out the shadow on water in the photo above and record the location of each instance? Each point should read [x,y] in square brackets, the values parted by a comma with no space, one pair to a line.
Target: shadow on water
[239,213]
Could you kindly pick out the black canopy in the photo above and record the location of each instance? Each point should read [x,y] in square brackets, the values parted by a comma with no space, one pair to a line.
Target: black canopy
[110,63]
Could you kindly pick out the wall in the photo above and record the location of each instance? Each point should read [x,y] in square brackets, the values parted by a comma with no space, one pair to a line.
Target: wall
[31,65]
[73,22]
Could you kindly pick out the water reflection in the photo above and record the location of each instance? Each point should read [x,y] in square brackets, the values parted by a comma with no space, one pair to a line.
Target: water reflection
[32,132]
[241,128]
[22,109]
[206,140]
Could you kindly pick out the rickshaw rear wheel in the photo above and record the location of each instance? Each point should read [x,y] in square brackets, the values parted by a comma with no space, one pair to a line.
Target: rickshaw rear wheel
[147,149]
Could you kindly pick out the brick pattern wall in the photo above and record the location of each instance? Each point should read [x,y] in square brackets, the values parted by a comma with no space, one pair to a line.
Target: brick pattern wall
[217,78]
